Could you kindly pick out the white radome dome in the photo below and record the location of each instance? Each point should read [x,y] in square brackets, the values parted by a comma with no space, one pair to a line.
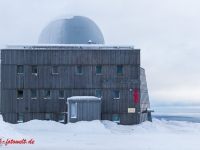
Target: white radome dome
[71,29]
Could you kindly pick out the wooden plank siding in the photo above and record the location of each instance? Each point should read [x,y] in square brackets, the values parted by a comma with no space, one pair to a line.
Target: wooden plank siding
[67,80]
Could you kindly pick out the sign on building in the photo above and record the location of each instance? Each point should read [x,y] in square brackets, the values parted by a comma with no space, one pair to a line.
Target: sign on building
[131,110]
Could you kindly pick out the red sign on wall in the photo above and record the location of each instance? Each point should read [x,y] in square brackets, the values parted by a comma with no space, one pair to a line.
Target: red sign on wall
[136,97]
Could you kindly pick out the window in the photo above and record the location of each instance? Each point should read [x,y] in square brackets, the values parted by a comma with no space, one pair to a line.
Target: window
[116,94]
[98,70]
[61,94]
[34,70]
[61,117]
[79,70]
[119,69]
[73,110]
[116,118]
[20,117]
[33,94]
[47,116]
[47,94]
[98,93]
[55,70]
[20,94]
[20,69]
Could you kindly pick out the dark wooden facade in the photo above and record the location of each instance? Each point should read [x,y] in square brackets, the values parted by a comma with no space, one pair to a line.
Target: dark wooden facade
[67,79]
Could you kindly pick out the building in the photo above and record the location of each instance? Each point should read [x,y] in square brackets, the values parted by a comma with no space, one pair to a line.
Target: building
[71,59]
[85,108]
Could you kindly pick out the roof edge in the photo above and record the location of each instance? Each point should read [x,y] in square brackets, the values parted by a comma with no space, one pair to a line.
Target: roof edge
[68,46]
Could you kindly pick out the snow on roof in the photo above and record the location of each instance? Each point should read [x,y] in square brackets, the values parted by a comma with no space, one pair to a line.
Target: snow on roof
[83,98]
[69,46]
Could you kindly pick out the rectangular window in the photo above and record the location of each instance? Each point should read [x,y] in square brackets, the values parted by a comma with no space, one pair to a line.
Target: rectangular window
[47,94]
[73,110]
[33,94]
[20,117]
[61,94]
[47,116]
[61,117]
[98,93]
[116,118]
[98,70]
[116,94]
[119,69]
[20,94]
[79,70]
[34,70]
[20,69]
[55,70]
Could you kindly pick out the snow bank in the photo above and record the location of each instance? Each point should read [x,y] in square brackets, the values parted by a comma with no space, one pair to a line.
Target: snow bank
[6,131]
[143,127]
[87,126]
[38,125]
[43,125]
[98,135]
[96,126]
[155,126]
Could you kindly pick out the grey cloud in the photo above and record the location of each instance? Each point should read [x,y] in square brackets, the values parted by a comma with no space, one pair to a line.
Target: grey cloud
[167,32]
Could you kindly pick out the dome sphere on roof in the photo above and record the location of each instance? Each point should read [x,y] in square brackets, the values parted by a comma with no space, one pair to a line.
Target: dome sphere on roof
[71,30]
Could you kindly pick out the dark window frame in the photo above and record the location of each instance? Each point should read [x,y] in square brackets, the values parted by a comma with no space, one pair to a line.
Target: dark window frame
[45,96]
[59,114]
[96,95]
[122,69]
[35,94]
[57,70]
[19,118]
[63,94]
[46,117]
[18,94]
[118,121]
[118,97]
[32,69]
[97,73]
[18,69]
[77,70]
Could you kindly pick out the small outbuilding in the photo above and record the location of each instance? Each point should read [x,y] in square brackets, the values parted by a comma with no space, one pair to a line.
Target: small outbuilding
[84,108]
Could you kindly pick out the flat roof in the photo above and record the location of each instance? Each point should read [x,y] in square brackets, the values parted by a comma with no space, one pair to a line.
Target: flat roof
[83,98]
[68,47]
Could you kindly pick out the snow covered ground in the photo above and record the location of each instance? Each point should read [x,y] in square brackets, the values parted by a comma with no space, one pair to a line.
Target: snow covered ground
[100,135]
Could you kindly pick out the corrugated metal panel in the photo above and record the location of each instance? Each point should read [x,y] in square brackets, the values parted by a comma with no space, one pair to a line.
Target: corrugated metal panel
[87,109]
[144,97]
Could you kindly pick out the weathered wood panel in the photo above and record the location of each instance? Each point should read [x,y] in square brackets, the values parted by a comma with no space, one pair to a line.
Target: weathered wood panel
[68,80]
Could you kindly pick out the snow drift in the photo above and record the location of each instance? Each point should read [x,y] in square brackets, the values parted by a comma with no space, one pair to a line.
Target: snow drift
[98,135]
[6,131]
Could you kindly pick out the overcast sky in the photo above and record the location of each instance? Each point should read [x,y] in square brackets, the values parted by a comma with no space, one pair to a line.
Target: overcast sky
[166,31]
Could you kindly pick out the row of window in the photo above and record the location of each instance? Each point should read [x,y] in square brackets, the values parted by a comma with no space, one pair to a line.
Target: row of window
[47,116]
[47,94]
[61,95]
[61,116]
[79,70]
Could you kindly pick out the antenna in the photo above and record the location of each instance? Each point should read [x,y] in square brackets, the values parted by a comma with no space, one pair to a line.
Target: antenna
[90,42]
